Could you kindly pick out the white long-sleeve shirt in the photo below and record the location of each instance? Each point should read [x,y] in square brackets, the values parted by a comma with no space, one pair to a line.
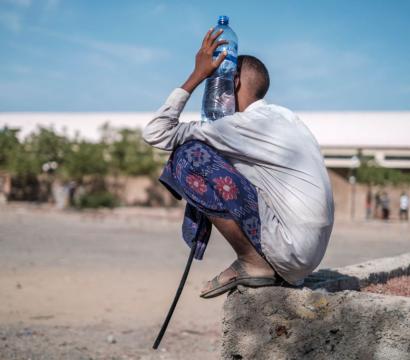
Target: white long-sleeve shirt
[277,153]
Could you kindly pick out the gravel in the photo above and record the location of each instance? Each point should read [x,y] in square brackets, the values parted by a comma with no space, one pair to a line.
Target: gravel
[399,286]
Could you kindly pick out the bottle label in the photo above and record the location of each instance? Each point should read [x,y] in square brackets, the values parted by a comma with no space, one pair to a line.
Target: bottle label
[230,56]
[228,65]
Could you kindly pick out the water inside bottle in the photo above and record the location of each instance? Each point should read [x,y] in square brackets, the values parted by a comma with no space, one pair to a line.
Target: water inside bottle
[219,95]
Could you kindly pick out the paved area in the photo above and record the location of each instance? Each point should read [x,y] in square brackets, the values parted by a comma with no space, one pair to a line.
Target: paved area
[97,285]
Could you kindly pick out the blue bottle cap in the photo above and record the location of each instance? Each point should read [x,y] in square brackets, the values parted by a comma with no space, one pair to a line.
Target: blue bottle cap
[223,20]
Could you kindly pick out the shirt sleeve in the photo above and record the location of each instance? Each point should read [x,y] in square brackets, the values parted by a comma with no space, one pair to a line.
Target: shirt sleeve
[165,131]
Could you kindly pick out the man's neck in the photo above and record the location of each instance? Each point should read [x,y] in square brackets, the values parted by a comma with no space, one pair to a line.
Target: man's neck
[248,101]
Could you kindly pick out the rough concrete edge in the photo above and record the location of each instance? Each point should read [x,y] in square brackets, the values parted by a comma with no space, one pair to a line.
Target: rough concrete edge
[355,277]
[343,279]
[311,307]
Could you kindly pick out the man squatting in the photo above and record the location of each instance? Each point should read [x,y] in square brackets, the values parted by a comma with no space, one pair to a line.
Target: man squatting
[258,176]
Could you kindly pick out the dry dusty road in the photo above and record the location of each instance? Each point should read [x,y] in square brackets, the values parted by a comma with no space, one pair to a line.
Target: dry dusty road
[97,285]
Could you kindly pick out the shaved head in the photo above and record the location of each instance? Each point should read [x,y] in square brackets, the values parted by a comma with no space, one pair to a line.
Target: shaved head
[254,76]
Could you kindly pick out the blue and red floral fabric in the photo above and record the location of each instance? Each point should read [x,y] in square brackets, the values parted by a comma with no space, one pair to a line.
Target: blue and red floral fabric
[211,186]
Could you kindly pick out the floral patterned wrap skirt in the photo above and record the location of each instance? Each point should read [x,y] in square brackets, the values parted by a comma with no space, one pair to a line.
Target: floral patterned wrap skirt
[211,186]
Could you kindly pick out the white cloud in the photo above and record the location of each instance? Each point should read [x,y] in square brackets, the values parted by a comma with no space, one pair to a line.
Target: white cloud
[125,52]
[12,18]
[51,4]
[11,21]
[20,3]
[310,75]
[159,8]
[308,61]
[21,69]
[95,60]
[47,4]
[405,89]
[25,70]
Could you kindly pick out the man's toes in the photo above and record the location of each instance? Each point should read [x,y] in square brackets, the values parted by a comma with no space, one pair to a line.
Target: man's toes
[207,287]
[223,278]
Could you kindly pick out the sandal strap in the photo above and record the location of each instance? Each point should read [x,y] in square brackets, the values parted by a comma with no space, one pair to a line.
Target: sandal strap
[215,282]
[239,269]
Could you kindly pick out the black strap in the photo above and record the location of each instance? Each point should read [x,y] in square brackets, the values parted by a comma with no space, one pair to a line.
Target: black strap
[176,298]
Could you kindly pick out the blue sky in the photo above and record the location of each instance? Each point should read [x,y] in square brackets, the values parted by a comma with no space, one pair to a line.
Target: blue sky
[89,55]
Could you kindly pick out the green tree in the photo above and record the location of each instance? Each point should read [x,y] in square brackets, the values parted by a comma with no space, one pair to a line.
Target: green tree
[120,152]
[130,155]
[376,175]
[9,144]
[85,158]
[47,147]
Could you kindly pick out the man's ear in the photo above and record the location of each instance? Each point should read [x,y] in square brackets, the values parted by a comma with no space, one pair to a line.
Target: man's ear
[237,81]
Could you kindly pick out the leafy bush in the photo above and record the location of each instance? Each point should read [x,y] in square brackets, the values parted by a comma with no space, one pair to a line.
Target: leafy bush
[96,200]
[127,152]
[119,152]
[9,143]
[376,175]
[82,159]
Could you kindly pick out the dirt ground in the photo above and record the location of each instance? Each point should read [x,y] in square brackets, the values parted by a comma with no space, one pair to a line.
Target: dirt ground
[397,286]
[98,285]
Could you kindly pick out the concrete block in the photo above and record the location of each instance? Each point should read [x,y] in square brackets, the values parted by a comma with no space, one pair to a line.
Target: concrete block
[284,323]
[326,319]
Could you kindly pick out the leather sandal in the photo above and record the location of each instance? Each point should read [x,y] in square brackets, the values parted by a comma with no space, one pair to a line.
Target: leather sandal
[242,278]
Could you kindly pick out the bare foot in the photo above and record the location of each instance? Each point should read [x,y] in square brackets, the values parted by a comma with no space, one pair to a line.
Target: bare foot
[254,267]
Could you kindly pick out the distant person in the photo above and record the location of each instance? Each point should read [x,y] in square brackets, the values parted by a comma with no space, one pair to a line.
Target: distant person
[369,198]
[72,186]
[377,205]
[258,176]
[404,206]
[385,205]
[3,197]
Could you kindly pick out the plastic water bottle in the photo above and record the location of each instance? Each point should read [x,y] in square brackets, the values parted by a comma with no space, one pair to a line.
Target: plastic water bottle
[219,96]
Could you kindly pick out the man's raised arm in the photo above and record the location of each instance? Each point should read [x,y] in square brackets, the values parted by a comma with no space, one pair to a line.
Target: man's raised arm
[165,131]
